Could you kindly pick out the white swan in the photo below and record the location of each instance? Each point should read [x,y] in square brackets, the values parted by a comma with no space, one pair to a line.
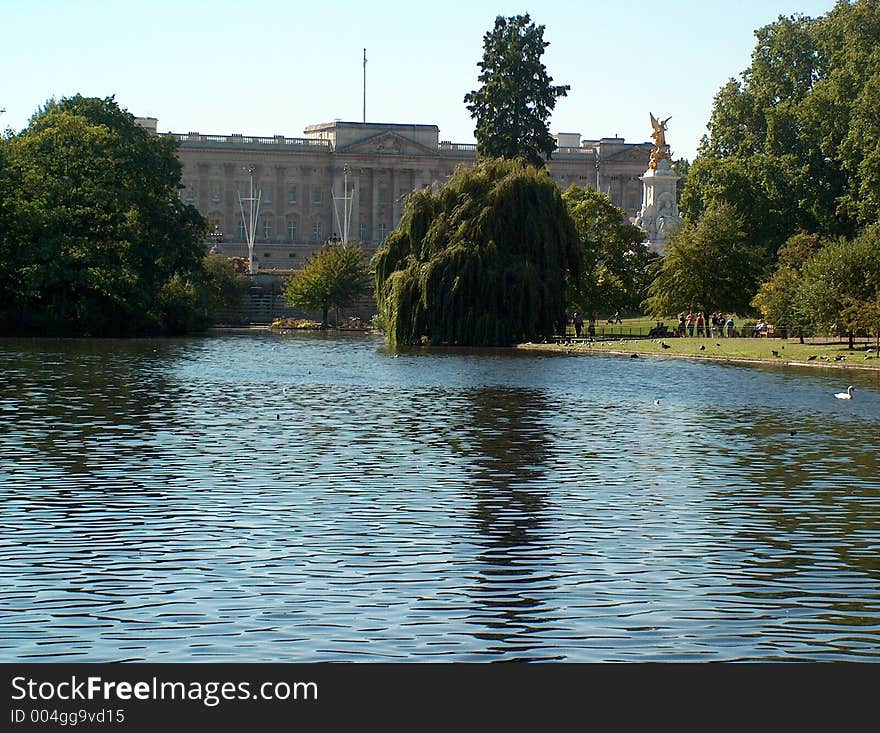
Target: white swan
[845,395]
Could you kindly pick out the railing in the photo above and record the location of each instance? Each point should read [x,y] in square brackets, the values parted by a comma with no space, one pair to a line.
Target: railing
[459,147]
[194,137]
[607,332]
[445,145]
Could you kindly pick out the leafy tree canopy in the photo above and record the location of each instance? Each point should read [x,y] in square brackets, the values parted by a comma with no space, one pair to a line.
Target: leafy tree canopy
[794,143]
[96,239]
[708,267]
[334,277]
[777,296]
[484,261]
[842,276]
[516,98]
[225,286]
[613,253]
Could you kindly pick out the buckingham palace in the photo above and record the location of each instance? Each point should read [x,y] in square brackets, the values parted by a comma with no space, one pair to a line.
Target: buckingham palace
[302,181]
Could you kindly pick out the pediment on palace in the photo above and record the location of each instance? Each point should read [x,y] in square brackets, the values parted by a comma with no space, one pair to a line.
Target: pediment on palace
[633,155]
[387,143]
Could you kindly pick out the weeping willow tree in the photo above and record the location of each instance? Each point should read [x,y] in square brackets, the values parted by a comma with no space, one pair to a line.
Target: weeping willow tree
[483,262]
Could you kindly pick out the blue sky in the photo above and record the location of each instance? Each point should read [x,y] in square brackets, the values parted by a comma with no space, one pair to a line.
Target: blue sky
[265,68]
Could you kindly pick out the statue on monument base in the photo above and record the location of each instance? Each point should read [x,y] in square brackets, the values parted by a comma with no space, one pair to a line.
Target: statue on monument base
[658,216]
[661,149]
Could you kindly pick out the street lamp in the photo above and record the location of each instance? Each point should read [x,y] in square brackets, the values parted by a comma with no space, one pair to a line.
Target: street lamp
[215,237]
[250,221]
[347,205]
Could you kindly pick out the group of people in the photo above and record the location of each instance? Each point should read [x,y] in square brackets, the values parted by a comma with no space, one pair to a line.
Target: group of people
[689,324]
[578,320]
[716,325]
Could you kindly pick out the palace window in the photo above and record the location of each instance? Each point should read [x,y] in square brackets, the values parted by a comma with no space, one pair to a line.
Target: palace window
[383,232]
[363,232]
[291,195]
[268,192]
[291,230]
[317,195]
[267,227]
[215,192]
[316,231]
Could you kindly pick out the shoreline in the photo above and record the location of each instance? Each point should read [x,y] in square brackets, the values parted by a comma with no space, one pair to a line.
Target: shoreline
[580,350]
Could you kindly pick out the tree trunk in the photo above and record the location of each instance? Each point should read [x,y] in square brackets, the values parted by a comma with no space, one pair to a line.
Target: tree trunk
[324,318]
[852,345]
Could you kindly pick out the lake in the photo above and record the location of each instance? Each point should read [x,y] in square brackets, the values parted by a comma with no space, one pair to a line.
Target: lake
[309,497]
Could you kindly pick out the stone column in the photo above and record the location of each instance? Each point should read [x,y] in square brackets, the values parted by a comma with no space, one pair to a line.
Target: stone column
[374,214]
[395,203]
[355,182]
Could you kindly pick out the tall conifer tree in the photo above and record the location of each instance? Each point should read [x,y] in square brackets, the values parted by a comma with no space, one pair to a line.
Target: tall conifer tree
[517,96]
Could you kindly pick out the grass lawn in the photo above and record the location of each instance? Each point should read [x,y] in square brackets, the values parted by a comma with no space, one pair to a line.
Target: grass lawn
[762,349]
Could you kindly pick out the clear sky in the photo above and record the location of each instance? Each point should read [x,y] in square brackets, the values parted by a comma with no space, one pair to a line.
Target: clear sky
[266,68]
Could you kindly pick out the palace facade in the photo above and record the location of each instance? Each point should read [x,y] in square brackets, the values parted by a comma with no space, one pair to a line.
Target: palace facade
[302,180]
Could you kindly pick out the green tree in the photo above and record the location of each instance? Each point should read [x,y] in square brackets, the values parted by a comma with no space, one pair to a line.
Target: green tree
[760,189]
[864,315]
[97,228]
[11,262]
[334,277]
[681,166]
[225,287]
[613,254]
[708,267]
[839,278]
[776,298]
[794,143]
[484,261]
[516,98]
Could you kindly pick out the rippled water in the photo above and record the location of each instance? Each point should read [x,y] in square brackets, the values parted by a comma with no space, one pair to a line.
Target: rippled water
[309,498]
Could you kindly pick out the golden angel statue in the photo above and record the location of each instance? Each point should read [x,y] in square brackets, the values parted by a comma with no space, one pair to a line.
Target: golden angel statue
[659,135]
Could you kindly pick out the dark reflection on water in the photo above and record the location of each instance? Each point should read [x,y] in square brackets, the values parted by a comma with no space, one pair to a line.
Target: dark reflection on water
[302,498]
[504,435]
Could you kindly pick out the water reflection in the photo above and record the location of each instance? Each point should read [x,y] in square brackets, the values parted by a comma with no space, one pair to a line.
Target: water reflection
[259,498]
[505,437]
[91,401]
[807,502]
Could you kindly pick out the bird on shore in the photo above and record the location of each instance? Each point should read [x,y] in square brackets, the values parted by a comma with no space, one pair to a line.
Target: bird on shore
[811,358]
[633,356]
[774,352]
[845,395]
[840,357]
[665,345]
[702,348]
